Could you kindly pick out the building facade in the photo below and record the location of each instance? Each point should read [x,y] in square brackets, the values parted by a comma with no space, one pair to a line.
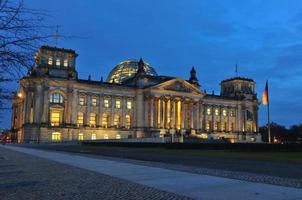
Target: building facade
[53,104]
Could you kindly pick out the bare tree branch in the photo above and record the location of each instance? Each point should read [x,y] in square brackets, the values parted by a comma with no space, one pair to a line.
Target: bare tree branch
[21,33]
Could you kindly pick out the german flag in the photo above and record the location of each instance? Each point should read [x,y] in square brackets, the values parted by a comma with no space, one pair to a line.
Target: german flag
[265,94]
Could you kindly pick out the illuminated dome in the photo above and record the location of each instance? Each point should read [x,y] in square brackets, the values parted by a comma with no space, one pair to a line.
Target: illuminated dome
[128,69]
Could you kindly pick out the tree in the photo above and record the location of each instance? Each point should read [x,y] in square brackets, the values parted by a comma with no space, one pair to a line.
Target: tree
[296,132]
[21,32]
[282,134]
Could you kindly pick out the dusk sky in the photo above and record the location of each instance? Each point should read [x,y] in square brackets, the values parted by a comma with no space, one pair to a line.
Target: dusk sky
[263,37]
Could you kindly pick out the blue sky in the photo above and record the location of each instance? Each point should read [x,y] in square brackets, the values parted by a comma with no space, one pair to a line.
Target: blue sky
[263,37]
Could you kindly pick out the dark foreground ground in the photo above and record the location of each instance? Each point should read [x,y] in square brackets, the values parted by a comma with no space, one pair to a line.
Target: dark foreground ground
[26,177]
[278,164]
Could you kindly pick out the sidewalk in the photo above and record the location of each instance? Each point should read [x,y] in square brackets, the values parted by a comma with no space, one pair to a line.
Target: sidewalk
[188,184]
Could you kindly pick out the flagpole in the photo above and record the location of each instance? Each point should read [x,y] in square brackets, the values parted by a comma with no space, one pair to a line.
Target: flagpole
[268,118]
[268,124]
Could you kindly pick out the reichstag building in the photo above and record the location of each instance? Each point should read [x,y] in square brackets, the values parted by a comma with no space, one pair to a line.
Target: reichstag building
[53,104]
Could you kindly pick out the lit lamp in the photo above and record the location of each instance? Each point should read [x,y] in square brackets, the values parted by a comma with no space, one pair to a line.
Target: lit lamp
[20,95]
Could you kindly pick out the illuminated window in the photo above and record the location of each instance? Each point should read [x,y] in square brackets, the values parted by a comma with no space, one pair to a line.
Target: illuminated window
[56,98]
[118,136]
[56,136]
[81,101]
[208,125]
[128,121]
[106,137]
[208,111]
[106,103]
[92,120]
[216,112]
[80,119]
[55,118]
[105,120]
[224,112]
[93,101]
[118,104]
[129,104]
[117,120]
[58,62]
[50,61]
[216,125]
[81,137]
[65,63]
[93,136]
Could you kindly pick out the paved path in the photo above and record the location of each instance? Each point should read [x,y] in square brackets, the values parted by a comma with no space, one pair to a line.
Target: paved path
[183,183]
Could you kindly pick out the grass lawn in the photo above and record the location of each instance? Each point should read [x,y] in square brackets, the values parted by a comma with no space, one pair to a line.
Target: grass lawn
[292,157]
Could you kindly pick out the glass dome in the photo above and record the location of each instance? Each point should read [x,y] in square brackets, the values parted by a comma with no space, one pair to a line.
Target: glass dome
[127,69]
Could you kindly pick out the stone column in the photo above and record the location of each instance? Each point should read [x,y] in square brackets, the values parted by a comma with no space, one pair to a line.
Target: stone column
[228,128]
[203,115]
[172,113]
[69,105]
[38,103]
[88,109]
[151,101]
[124,111]
[100,114]
[74,106]
[112,105]
[197,114]
[162,112]
[140,110]
[28,103]
[212,128]
[45,107]
[220,118]
[167,113]
[239,119]
[191,109]
[182,114]
[146,111]
[156,113]
[256,119]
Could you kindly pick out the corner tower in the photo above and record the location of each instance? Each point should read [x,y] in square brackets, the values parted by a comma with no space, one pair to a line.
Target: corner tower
[239,88]
[55,62]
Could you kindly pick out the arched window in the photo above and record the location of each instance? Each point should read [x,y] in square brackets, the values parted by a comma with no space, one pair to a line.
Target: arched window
[128,121]
[50,61]
[105,120]
[58,62]
[80,119]
[92,120]
[117,120]
[65,63]
[56,98]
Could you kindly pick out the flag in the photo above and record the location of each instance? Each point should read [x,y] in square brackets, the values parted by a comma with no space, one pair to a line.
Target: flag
[265,94]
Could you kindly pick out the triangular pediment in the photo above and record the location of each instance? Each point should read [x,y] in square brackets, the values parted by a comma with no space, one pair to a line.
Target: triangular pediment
[178,85]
